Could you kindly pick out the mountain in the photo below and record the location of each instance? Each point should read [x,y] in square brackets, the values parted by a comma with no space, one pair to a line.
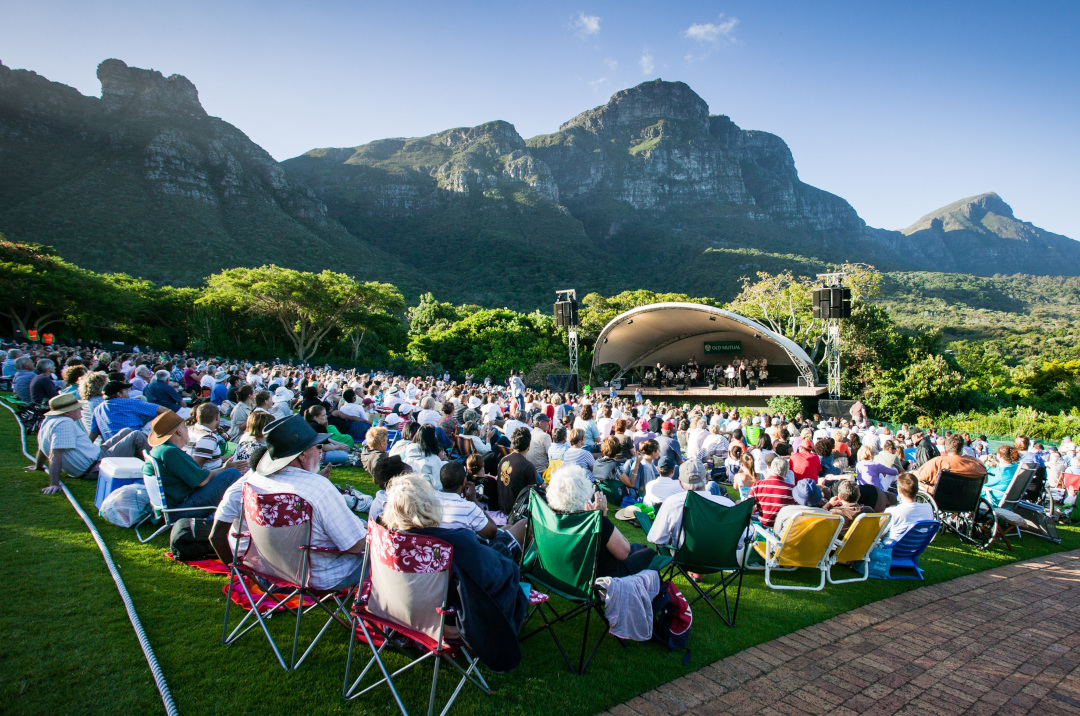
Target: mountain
[649,190]
[984,228]
[143,180]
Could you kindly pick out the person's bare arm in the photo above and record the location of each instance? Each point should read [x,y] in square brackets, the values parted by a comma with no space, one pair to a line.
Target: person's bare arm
[56,461]
[618,546]
[357,548]
[219,540]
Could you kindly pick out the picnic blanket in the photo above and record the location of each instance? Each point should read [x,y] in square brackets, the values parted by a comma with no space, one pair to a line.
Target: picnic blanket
[216,566]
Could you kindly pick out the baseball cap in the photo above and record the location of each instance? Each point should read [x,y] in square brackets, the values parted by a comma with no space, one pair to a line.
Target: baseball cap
[666,463]
[806,492]
[692,475]
[668,425]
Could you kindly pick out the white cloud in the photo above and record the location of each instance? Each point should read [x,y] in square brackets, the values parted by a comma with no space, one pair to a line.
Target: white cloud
[587,25]
[612,64]
[647,62]
[710,32]
[598,84]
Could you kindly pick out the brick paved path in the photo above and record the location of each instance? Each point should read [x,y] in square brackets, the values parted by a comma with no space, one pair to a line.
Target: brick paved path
[1003,641]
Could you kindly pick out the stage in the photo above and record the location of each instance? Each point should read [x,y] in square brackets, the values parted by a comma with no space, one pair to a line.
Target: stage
[704,394]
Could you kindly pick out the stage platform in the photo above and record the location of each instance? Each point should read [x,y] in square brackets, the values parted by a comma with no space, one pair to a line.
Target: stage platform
[705,394]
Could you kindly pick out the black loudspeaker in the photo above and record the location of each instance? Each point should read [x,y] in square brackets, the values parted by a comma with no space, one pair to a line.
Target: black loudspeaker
[817,311]
[680,386]
[566,314]
[845,312]
[562,382]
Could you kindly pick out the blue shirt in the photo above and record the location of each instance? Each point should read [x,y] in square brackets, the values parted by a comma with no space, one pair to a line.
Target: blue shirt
[161,393]
[9,367]
[20,385]
[118,413]
[217,396]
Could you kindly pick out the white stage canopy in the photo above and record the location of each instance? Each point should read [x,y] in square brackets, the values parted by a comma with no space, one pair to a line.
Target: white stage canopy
[672,333]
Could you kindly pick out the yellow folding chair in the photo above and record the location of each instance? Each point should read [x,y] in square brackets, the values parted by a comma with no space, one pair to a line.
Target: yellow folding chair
[807,541]
[864,534]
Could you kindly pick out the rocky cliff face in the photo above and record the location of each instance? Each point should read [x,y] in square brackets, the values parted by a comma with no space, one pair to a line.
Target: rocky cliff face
[143,180]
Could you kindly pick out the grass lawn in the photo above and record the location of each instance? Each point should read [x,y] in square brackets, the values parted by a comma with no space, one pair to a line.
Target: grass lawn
[68,647]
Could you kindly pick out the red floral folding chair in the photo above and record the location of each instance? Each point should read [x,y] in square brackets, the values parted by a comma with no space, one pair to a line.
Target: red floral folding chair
[277,528]
[403,604]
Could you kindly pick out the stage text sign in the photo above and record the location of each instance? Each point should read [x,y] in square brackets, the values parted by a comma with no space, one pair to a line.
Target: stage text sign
[714,347]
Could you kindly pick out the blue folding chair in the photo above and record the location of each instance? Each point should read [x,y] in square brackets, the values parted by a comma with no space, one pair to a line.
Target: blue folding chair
[392,436]
[909,454]
[906,550]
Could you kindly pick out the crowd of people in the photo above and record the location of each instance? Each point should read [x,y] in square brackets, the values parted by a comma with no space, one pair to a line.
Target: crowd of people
[463,457]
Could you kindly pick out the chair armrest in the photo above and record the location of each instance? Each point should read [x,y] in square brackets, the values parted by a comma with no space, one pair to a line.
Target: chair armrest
[768,534]
[182,509]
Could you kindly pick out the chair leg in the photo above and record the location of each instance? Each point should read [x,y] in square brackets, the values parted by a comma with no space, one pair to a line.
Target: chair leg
[434,685]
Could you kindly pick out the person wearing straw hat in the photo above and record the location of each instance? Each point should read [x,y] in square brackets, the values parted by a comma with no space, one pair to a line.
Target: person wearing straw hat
[185,482]
[289,465]
[67,449]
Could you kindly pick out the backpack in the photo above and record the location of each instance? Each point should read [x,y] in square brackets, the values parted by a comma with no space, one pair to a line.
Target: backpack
[672,619]
[126,506]
[190,540]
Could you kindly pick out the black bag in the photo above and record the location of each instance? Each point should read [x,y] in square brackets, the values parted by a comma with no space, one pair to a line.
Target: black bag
[190,540]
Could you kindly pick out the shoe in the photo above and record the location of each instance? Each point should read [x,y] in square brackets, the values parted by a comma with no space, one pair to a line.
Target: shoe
[356,500]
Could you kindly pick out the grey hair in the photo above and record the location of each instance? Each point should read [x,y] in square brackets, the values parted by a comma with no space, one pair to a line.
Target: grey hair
[25,363]
[427,403]
[142,370]
[162,375]
[779,466]
[45,365]
[570,489]
[14,353]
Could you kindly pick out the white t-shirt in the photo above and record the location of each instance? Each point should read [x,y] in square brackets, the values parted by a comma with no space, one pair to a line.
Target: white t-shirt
[490,412]
[669,517]
[660,489]
[429,466]
[353,410]
[906,514]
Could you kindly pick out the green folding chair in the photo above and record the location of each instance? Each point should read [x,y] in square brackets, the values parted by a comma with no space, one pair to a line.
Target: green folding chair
[708,544]
[561,561]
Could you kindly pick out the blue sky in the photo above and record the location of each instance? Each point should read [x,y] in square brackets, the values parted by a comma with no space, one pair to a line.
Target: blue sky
[899,108]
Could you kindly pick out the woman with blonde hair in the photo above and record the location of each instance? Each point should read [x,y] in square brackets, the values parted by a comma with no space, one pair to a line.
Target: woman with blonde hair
[90,387]
[252,438]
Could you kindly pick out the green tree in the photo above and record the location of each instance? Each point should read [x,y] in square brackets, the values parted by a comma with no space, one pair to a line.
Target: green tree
[927,387]
[307,306]
[38,289]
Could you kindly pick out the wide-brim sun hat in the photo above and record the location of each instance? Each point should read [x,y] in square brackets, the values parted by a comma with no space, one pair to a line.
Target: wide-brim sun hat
[162,428]
[63,404]
[283,395]
[287,438]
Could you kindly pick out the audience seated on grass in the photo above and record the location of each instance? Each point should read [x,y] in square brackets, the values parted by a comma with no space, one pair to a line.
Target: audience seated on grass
[253,436]
[570,491]
[692,478]
[773,492]
[118,411]
[65,448]
[374,448]
[909,510]
[953,460]
[333,452]
[184,482]
[462,509]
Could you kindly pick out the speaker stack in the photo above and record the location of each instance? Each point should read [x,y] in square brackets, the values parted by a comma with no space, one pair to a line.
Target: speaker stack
[831,302]
[566,315]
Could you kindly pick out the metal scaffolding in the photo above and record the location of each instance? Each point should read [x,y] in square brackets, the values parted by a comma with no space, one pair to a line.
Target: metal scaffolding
[832,341]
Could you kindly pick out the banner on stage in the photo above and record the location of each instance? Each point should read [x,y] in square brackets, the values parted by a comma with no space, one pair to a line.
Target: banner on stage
[715,347]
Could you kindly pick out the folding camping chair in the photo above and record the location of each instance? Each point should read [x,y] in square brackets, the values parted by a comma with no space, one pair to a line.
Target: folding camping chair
[403,603]
[392,436]
[906,550]
[561,559]
[960,507]
[807,541]
[278,553]
[155,491]
[864,534]
[464,446]
[709,539]
[1016,491]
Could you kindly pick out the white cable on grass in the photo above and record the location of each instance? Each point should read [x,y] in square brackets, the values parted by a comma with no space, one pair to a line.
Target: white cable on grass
[144,642]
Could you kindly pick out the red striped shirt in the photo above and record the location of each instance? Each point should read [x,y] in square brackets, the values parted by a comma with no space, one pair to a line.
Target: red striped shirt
[771,494]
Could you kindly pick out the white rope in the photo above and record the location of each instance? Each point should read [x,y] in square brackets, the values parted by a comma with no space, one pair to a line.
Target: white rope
[144,642]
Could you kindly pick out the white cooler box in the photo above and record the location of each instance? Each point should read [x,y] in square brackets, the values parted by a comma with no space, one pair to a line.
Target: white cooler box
[114,473]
